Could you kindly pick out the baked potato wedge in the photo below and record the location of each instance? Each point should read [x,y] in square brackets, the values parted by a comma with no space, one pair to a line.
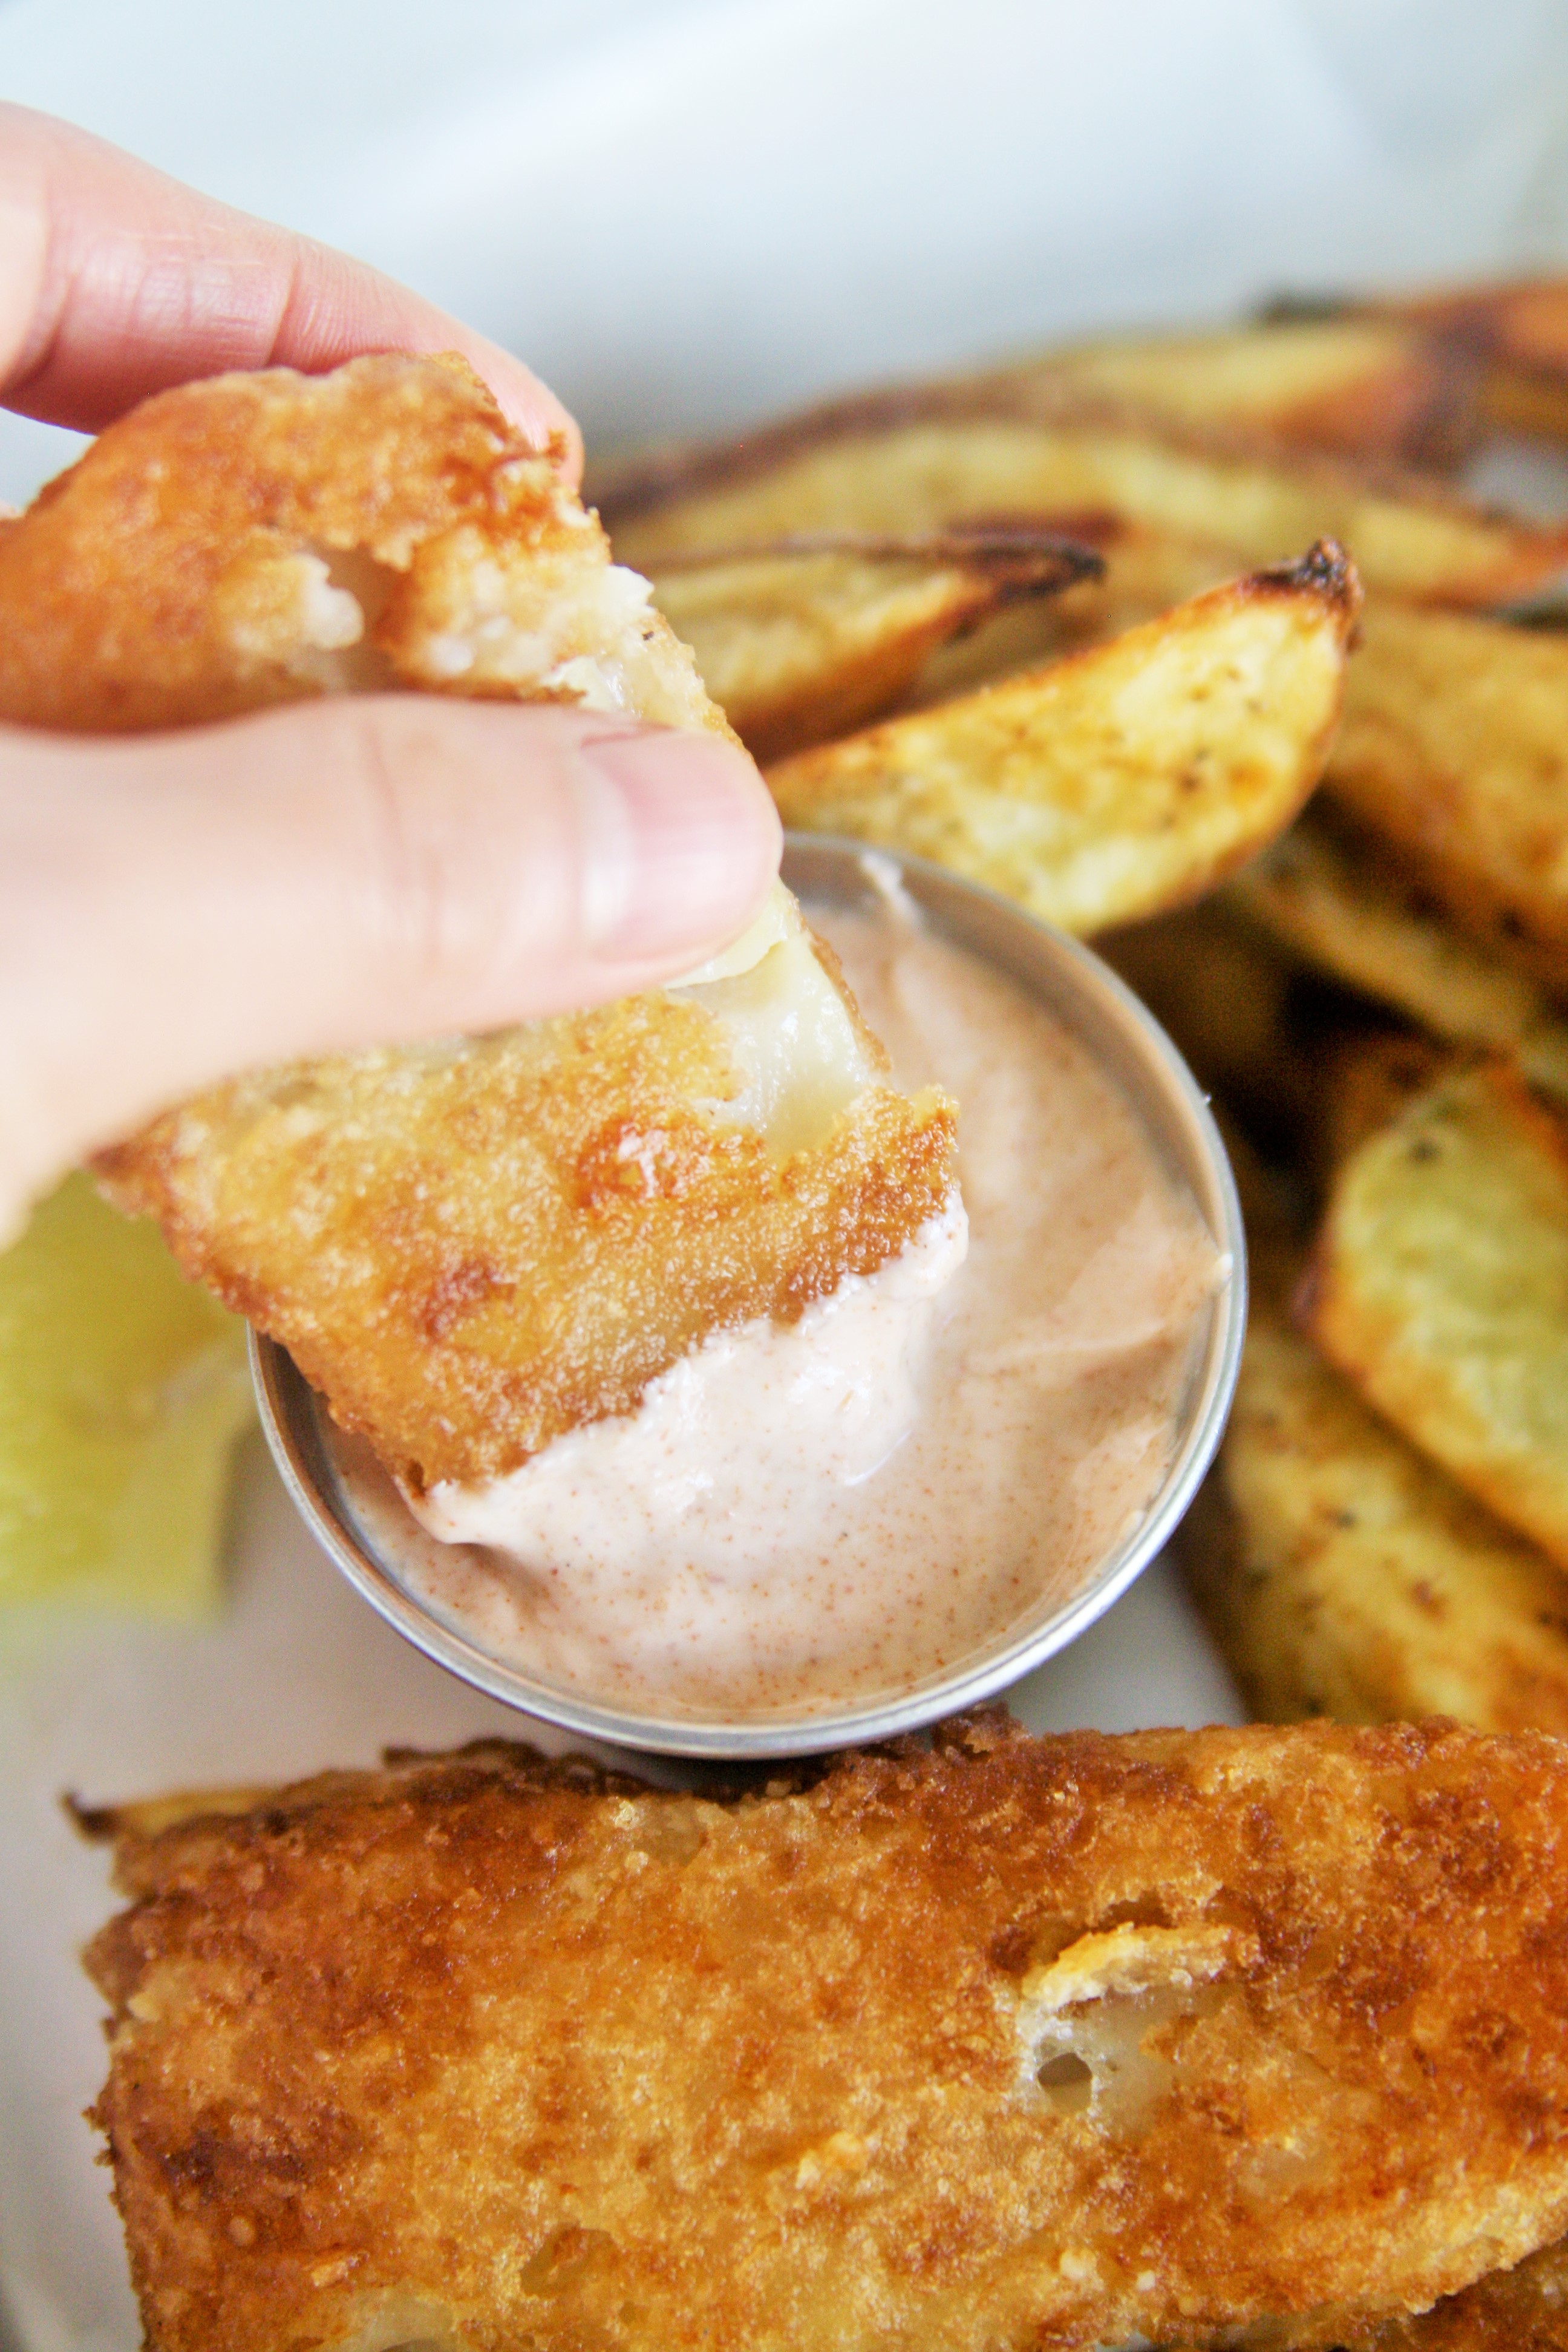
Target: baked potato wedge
[1439,1287]
[1454,750]
[1381,390]
[814,638]
[1123,779]
[923,457]
[1341,1573]
[1339,900]
[1145,572]
[1515,335]
[1223,992]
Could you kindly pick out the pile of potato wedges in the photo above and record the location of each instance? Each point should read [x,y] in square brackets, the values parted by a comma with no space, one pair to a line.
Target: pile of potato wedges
[1198,646]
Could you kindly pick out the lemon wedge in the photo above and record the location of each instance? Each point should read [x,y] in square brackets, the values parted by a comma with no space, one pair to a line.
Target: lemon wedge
[122,1390]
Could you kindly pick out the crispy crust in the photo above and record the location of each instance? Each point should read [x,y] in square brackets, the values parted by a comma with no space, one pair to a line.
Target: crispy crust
[540,2057]
[185,569]
[470,1248]
[1522,2310]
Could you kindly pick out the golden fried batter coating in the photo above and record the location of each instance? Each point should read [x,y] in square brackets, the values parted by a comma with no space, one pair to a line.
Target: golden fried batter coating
[471,1246]
[1521,2310]
[1012,2043]
[258,537]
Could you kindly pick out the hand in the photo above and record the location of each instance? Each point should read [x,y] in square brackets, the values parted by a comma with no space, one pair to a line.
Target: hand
[336,873]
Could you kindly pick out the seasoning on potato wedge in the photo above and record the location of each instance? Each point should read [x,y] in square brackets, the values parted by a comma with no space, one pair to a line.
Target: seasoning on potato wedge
[1439,1286]
[1342,1574]
[1341,903]
[814,637]
[1382,390]
[1125,779]
[1454,750]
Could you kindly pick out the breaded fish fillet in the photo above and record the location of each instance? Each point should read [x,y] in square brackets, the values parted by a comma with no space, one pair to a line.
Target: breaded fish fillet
[1521,2310]
[1010,2042]
[258,537]
[473,1246]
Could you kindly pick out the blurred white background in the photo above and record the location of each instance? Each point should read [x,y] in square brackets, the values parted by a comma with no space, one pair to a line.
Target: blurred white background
[687,213]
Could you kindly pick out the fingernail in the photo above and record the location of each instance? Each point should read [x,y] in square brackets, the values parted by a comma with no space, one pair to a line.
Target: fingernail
[679,841]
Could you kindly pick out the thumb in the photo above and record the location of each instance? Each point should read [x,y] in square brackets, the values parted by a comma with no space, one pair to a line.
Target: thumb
[341,873]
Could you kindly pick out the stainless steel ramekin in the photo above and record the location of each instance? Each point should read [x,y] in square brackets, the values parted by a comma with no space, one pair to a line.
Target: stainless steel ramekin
[1096,1006]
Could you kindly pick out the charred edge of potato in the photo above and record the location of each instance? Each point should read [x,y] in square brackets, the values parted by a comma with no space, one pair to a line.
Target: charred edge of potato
[1325,572]
[1497,367]
[1405,398]
[861,783]
[1015,558]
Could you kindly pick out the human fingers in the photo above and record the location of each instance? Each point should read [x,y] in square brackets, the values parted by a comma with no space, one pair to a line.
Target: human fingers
[116,281]
[337,873]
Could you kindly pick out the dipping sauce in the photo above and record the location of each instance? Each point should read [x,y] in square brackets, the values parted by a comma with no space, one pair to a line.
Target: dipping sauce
[803,1518]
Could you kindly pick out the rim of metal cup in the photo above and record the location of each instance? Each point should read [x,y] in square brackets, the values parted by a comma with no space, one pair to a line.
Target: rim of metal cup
[1125,1036]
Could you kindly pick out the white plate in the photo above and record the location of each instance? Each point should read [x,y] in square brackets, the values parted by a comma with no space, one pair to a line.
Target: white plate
[687,213]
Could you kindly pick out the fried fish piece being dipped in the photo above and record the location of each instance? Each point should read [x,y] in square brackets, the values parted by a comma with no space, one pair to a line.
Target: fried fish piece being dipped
[1066,2041]
[469,1246]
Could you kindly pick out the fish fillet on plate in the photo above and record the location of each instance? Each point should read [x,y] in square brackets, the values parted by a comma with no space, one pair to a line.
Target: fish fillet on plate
[469,1246]
[1229,2036]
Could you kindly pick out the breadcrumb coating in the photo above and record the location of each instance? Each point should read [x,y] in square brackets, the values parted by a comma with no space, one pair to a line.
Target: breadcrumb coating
[474,1245]
[254,539]
[1009,2042]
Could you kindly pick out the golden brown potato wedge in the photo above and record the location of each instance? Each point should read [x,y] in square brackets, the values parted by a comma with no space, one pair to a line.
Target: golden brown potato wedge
[1515,335]
[1146,573]
[1454,749]
[1222,988]
[1342,1574]
[814,638]
[1123,779]
[1338,899]
[1380,390]
[1365,1079]
[1439,1285]
[919,459]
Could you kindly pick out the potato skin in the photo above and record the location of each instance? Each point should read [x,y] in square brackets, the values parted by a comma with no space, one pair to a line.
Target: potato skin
[1454,752]
[1439,1287]
[1342,1574]
[1123,779]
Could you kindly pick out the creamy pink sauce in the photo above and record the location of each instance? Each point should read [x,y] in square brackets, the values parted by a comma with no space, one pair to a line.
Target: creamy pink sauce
[804,1518]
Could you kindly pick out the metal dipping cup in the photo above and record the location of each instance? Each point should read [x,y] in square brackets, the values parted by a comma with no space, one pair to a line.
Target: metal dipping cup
[1125,1039]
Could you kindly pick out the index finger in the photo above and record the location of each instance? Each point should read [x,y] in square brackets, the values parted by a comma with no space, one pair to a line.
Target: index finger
[117,281]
